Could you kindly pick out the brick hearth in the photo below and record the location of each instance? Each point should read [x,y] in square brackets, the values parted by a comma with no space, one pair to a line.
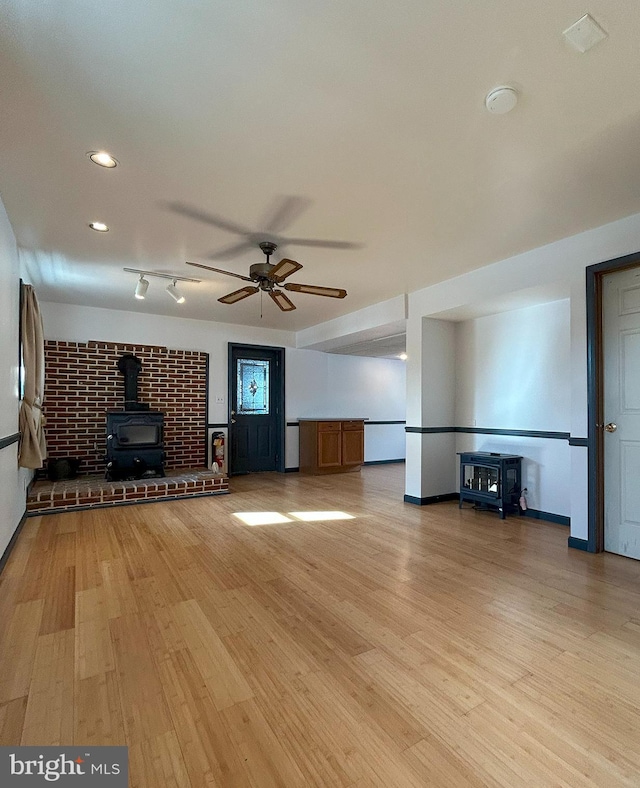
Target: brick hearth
[86,492]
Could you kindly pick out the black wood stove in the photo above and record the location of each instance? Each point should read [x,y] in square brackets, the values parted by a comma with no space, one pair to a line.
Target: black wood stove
[135,444]
[135,436]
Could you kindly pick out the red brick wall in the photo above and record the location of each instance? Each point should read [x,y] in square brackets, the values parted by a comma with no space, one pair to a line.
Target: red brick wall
[83,382]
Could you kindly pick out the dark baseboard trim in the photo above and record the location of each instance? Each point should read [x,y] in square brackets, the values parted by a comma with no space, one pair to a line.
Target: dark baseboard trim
[431,499]
[9,440]
[579,544]
[536,514]
[12,541]
[578,441]
[369,462]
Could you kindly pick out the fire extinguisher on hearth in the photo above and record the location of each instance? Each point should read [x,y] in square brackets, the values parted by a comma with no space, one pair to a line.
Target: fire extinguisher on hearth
[217,452]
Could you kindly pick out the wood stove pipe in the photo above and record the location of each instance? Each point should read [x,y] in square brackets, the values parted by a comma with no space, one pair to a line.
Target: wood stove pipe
[130,367]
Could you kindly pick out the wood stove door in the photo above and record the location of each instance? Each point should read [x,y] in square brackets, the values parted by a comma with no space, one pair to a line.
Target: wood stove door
[256,424]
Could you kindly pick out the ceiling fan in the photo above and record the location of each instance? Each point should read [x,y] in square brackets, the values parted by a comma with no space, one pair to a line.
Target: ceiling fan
[283,212]
[267,276]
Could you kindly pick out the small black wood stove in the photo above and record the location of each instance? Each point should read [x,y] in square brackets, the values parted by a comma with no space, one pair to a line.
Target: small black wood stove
[135,436]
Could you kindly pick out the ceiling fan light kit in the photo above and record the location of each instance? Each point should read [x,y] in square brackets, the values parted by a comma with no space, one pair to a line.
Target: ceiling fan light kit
[267,275]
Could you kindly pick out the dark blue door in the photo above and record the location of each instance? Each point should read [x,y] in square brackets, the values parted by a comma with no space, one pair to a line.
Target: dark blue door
[256,424]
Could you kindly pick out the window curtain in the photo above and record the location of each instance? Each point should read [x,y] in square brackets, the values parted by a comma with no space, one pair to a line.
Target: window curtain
[33,449]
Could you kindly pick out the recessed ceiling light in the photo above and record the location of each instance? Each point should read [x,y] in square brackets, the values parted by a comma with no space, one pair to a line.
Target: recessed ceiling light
[402,356]
[102,158]
[99,227]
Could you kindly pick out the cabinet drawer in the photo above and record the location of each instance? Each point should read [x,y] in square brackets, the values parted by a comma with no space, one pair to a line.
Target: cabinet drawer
[328,426]
[353,425]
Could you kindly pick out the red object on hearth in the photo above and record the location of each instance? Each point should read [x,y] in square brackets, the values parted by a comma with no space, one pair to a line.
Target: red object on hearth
[217,446]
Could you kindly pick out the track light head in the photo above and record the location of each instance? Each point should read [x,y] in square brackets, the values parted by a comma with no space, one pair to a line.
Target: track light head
[143,284]
[174,293]
[141,287]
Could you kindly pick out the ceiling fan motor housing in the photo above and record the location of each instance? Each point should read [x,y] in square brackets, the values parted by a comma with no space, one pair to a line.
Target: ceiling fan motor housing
[268,247]
[259,272]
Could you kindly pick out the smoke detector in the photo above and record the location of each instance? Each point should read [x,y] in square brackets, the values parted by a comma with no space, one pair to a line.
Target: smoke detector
[501,100]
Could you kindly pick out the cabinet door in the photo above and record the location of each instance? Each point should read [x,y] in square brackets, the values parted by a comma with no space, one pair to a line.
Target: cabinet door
[352,447]
[329,449]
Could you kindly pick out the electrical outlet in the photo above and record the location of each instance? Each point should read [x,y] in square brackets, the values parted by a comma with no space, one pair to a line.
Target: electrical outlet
[219,400]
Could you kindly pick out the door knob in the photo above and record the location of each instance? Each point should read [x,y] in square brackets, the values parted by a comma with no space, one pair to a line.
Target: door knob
[610,427]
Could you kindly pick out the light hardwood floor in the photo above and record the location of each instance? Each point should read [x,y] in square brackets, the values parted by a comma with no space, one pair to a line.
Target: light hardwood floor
[405,647]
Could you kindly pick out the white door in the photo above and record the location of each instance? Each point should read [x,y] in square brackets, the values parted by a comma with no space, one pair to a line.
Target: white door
[621,348]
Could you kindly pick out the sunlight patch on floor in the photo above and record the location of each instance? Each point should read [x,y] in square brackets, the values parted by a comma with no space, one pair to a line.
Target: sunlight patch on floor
[310,517]
[262,518]
[275,518]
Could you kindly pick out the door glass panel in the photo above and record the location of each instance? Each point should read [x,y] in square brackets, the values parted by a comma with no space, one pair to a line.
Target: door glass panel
[252,387]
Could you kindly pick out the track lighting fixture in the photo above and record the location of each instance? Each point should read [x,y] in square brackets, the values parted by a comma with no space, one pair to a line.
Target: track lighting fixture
[143,284]
[174,293]
[141,287]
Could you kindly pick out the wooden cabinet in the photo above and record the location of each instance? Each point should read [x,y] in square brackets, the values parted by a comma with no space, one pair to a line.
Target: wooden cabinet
[331,446]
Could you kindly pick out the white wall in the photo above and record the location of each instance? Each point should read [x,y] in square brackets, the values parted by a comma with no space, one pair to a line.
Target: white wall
[13,480]
[431,457]
[513,369]
[513,372]
[561,264]
[328,385]
[317,384]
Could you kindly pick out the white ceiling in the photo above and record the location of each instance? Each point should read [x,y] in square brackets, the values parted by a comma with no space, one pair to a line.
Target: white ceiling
[371,114]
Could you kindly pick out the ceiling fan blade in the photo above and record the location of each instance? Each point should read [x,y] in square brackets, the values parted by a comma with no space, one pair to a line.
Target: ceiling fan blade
[285,211]
[284,269]
[321,243]
[330,292]
[282,300]
[207,218]
[232,251]
[220,271]
[238,295]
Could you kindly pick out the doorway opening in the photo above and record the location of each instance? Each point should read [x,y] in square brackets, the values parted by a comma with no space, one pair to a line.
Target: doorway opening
[256,409]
